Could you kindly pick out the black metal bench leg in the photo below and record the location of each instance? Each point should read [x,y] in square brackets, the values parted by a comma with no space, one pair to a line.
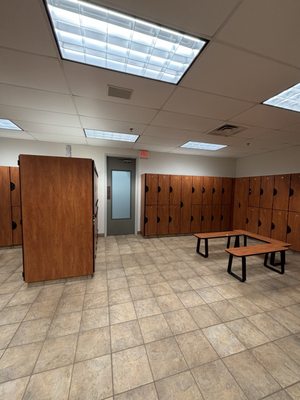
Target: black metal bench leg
[205,254]
[237,241]
[245,240]
[229,268]
[228,242]
[243,269]
[282,262]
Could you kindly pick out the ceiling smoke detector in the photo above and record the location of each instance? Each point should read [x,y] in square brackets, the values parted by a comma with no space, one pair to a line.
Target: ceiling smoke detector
[227,130]
[122,93]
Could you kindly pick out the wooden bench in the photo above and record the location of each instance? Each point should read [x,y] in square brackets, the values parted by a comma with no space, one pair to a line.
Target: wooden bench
[243,252]
[215,235]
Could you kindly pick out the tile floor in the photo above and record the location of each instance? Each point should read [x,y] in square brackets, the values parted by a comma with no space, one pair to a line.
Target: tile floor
[157,321]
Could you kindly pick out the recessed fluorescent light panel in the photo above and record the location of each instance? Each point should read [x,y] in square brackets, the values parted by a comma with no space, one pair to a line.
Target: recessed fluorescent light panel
[120,137]
[7,124]
[203,146]
[288,99]
[97,36]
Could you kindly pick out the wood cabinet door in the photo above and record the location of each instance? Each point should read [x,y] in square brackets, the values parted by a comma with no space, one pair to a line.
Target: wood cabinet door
[197,189]
[254,191]
[163,190]
[174,219]
[217,191]
[216,218]
[163,219]
[241,191]
[196,218]
[266,191]
[208,182]
[226,218]
[279,225]
[175,190]
[5,208]
[293,230]
[252,219]
[281,192]
[264,221]
[14,186]
[206,213]
[227,191]
[294,203]
[151,189]
[16,226]
[239,217]
[151,220]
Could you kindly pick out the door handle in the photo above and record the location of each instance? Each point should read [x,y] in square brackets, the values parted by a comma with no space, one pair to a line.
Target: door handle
[108,193]
[159,189]
[12,186]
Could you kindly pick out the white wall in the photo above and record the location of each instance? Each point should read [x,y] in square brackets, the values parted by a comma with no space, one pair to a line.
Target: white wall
[157,163]
[285,161]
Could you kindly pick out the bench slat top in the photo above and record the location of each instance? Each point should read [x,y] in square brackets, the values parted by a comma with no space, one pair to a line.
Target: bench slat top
[255,250]
[212,235]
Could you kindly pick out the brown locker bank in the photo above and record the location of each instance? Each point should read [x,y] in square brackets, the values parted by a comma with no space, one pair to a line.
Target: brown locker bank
[58,203]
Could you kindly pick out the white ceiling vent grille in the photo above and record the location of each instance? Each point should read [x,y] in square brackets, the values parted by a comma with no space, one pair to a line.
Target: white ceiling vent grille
[226,130]
[122,93]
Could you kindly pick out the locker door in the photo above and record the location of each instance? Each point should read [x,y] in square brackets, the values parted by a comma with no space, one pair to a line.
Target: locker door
[227,188]
[241,191]
[151,220]
[294,204]
[254,191]
[16,226]
[217,191]
[206,213]
[279,224]
[264,221]
[197,190]
[266,191]
[186,204]
[226,218]
[14,186]
[5,208]
[175,190]
[239,217]
[216,218]
[151,186]
[281,192]
[293,230]
[196,218]
[174,219]
[163,190]
[207,190]
[252,219]
[163,220]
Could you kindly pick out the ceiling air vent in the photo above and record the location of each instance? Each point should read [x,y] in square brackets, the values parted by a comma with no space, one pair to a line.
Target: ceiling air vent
[122,93]
[227,130]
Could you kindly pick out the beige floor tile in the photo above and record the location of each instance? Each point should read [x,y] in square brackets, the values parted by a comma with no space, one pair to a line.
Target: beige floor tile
[56,352]
[178,387]
[69,304]
[124,335]
[44,309]
[269,326]
[6,334]
[225,311]
[282,395]
[146,307]
[141,292]
[18,361]
[245,306]
[65,325]
[95,300]
[215,382]
[169,302]
[180,285]
[49,385]
[285,318]
[278,364]
[13,390]
[294,391]
[154,328]
[147,392]
[92,379]
[94,318]
[247,333]
[197,283]
[136,280]
[122,313]
[294,309]
[24,297]
[281,298]
[93,343]
[160,289]
[228,291]
[180,321]
[190,299]
[11,315]
[264,302]
[130,369]
[204,316]
[196,348]
[209,295]
[223,340]
[118,283]
[31,331]
[291,346]
[165,358]
[119,296]
[75,288]
[255,381]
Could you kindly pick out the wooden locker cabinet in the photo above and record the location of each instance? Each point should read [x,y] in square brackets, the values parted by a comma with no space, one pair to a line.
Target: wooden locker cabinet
[207,190]
[5,208]
[264,221]
[266,192]
[151,189]
[293,230]
[217,191]
[175,190]
[151,220]
[174,219]
[14,186]
[281,192]
[206,213]
[241,190]
[227,191]
[16,226]
[57,200]
[197,190]
[294,202]
[252,219]
[254,191]
[163,190]
[163,219]
[279,225]
[196,218]
[186,204]
[239,217]
[226,213]
[216,218]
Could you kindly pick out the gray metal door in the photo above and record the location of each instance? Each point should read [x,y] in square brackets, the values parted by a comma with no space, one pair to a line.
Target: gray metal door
[120,195]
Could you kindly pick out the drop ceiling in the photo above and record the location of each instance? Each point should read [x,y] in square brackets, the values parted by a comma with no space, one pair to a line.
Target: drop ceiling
[252,54]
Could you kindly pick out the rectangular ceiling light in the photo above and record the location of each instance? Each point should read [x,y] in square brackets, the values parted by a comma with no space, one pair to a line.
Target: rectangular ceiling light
[288,99]
[98,36]
[8,124]
[120,137]
[203,146]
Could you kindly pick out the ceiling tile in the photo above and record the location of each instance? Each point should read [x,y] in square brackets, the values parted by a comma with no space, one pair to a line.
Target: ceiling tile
[163,141]
[59,138]
[15,135]
[164,132]
[111,125]
[109,143]
[51,129]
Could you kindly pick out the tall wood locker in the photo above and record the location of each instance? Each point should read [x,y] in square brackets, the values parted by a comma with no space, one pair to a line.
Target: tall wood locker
[186,204]
[226,216]
[175,190]
[279,224]
[227,191]
[197,190]
[241,190]
[254,191]
[266,191]
[207,190]
[206,214]
[150,220]
[57,198]
[163,204]
[293,230]
[217,191]
[5,208]
[151,189]
[252,219]
[163,189]
[294,202]
[163,219]
[174,219]
[196,218]
[15,205]
[281,192]
[264,221]
[216,214]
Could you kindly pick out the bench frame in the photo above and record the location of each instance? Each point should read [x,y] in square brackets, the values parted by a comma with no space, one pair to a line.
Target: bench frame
[217,235]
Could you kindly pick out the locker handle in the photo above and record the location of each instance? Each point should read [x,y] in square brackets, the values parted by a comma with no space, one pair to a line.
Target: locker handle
[212,218]
[250,191]
[192,218]
[146,220]
[12,186]
[274,192]
[202,218]
[181,204]
[171,189]
[223,190]
[193,189]
[291,193]
[239,205]
[222,217]
[272,226]
[13,225]
[247,220]
[146,188]
[170,219]
[159,189]
[259,222]
[213,190]
[158,220]
[288,229]
[203,189]
[261,192]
